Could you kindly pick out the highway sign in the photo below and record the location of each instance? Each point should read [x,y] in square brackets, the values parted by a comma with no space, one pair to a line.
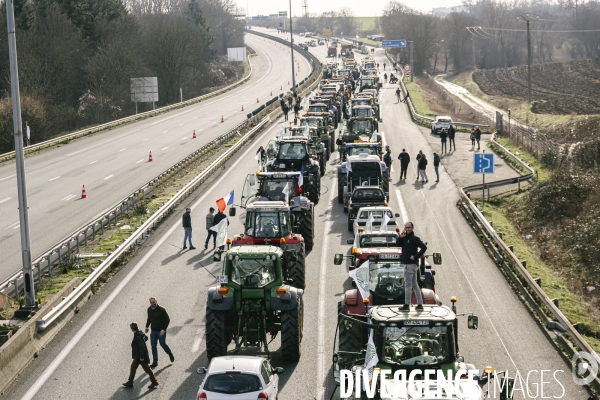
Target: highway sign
[483,163]
[326,32]
[407,68]
[390,44]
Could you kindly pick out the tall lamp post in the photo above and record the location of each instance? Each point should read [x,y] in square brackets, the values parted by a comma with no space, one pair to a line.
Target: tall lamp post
[20,163]
[292,50]
[528,57]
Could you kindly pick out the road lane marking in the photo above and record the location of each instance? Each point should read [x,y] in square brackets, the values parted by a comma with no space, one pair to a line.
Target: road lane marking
[37,385]
[93,162]
[184,138]
[144,140]
[5,200]
[18,225]
[123,149]
[171,117]
[165,131]
[198,340]
[13,224]
[322,289]
[69,197]
[164,148]
[7,177]
[108,177]
[137,162]
[55,178]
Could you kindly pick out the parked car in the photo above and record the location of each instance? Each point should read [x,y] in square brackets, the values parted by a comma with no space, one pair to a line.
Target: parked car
[441,122]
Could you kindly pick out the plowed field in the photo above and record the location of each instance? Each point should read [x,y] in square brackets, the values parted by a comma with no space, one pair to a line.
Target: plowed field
[557,88]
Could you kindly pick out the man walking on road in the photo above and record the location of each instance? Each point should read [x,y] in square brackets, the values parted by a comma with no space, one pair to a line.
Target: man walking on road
[209,223]
[412,249]
[477,136]
[422,165]
[158,321]
[436,165]
[140,356]
[404,161]
[387,159]
[187,227]
[398,94]
[443,137]
[451,134]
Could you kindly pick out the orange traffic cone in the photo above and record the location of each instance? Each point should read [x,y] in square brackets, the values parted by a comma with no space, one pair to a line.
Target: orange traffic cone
[222,120]
[194,137]
[83,194]
[242,107]
[150,157]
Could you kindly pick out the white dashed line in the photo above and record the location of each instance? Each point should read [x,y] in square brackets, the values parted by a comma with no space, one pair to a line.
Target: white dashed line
[7,177]
[164,148]
[55,178]
[108,177]
[93,162]
[16,227]
[5,200]
[184,138]
[198,340]
[69,197]
[137,162]
[123,149]
[165,131]
[144,140]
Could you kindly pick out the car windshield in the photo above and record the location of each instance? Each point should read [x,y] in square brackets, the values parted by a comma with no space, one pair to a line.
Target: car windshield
[292,151]
[367,82]
[313,122]
[252,273]
[416,345]
[296,132]
[274,189]
[377,214]
[362,112]
[365,126]
[232,383]
[367,194]
[386,277]
[317,109]
[271,224]
[367,240]
[444,120]
[354,151]
[361,102]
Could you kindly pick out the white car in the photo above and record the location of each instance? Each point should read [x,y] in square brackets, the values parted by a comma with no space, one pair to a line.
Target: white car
[377,212]
[239,378]
[441,122]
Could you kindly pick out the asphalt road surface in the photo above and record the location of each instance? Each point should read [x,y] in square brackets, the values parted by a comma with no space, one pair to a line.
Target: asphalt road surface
[90,358]
[113,164]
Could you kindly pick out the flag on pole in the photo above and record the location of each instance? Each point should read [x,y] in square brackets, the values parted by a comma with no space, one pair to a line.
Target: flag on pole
[361,278]
[300,181]
[348,165]
[286,192]
[280,131]
[371,358]
[222,203]
[384,223]
[369,224]
[221,229]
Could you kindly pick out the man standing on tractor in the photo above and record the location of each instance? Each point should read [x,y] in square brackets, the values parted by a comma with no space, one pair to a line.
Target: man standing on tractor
[412,249]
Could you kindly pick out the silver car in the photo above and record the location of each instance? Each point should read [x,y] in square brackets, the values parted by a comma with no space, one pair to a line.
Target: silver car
[239,378]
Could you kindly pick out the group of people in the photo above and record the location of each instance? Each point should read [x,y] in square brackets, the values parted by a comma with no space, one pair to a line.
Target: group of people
[158,321]
[293,103]
[422,163]
[212,220]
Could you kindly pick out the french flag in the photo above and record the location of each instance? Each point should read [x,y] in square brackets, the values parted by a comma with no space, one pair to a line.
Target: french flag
[222,203]
[300,181]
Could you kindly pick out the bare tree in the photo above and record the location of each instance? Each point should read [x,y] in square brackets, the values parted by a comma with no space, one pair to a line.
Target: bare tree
[328,20]
[346,21]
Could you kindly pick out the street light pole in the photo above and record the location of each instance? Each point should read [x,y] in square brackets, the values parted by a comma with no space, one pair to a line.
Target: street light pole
[528,60]
[20,160]
[292,50]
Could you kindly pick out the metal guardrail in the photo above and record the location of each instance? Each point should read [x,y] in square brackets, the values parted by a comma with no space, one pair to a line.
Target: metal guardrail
[522,278]
[97,128]
[132,240]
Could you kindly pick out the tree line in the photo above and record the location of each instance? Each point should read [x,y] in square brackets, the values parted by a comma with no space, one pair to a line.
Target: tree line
[76,58]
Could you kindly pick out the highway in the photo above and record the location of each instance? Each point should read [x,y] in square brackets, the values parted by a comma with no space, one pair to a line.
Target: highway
[113,164]
[90,358]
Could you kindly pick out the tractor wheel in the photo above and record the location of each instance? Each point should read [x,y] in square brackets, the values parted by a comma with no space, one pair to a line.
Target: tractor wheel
[351,335]
[332,143]
[311,189]
[342,180]
[385,182]
[322,163]
[307,227]
[297,270]
[291,331]
[217,337]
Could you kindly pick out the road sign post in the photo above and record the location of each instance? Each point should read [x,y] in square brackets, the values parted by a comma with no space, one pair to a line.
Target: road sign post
[483,164]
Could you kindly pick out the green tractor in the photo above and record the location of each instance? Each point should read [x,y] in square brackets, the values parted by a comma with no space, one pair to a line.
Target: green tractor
[403,340]
[251,301]
[324,129]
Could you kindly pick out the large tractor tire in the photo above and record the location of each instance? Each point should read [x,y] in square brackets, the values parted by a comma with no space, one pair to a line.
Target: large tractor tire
[342,181]
[385,182]
[311,189]
[292,323]
[322,163]
[306,228]
[351,334]
[332,142]
[217,337]
[297,270]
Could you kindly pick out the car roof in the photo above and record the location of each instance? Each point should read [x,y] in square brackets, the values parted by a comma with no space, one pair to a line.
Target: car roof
[376,208]
[442,116]
[238,363]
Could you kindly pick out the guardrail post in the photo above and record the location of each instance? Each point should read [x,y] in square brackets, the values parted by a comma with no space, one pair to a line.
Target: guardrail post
[499,234]
[538,281]
[555,301]
[93,232]
[524,263]
[48,264]
[101,220]
[77,242]
[16,283]
[39,271]
[577,327]
[511,248]
[58,252]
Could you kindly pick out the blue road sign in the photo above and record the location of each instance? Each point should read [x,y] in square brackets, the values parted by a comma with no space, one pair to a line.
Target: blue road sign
[390,44]
[483,163]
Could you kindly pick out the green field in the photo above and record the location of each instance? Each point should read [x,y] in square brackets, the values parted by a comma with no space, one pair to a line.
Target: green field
[362,23]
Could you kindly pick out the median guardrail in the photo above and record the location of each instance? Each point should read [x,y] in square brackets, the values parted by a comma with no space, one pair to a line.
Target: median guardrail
[121,121]
[515,270]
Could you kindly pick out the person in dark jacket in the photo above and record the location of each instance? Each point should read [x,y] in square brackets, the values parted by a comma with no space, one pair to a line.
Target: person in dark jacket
[296,110]
[187,227]
[218,218]
[451,134]
[412,249]
[477,136]
[286,110]
[398,94]
[387,159]
[436,165]
[209,223]
[404,161]
[158,321]
[443,138]
[140,356]
[422,165]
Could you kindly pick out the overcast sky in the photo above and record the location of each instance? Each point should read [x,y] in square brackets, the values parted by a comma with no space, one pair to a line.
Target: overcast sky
[362,8]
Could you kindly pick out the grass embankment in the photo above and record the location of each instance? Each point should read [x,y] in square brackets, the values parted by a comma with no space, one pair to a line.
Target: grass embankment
[420,97]
[368,41]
